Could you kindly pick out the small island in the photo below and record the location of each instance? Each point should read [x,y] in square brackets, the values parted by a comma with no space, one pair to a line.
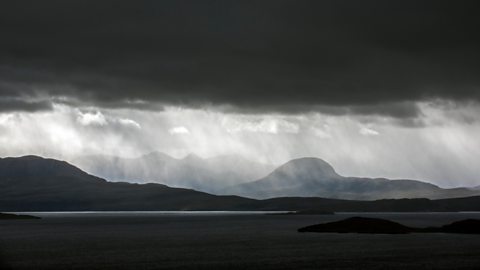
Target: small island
[383,226]
[359,225]
[5,216]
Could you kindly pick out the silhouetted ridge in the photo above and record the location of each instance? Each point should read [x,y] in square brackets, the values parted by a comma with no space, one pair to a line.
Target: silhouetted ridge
[35,167]
[38,184]
[468,226]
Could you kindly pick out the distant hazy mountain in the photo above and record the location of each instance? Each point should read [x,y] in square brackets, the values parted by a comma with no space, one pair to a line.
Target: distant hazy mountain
[32,183]
[476,188]
[313,177]
[209,174]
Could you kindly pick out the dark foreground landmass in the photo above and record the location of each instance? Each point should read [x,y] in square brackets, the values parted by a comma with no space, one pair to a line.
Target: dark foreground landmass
[383,226]
[4,216]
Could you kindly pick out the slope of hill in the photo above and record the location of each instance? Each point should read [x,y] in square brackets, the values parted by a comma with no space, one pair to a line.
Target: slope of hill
[204,174]
[313,177]
[32,183]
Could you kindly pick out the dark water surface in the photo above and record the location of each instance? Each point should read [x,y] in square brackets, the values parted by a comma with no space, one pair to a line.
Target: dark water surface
[224,240]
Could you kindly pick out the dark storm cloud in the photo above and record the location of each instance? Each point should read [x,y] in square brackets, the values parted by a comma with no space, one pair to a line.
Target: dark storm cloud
[16,104]
[365,57]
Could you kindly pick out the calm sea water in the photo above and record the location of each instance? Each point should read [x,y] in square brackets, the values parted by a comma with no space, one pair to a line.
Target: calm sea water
[145,213]
[226,240]
[407,218]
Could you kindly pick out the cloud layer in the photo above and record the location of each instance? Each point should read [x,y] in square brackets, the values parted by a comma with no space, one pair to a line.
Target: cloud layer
[337,57]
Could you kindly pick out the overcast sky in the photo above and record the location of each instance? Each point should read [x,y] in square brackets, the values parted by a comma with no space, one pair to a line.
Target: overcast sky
[376,88]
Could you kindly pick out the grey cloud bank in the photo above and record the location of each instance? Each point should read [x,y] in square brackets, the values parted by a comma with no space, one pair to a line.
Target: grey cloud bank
[338,57]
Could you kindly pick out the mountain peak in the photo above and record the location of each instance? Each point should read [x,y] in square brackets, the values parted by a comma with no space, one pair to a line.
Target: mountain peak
[30,157]
[314,167]
[192,157]
[36,167]
[33,159]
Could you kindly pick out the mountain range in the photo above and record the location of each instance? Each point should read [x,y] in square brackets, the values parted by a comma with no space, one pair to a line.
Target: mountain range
[313,177]
[33,183]
[234,175]
[205,174]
